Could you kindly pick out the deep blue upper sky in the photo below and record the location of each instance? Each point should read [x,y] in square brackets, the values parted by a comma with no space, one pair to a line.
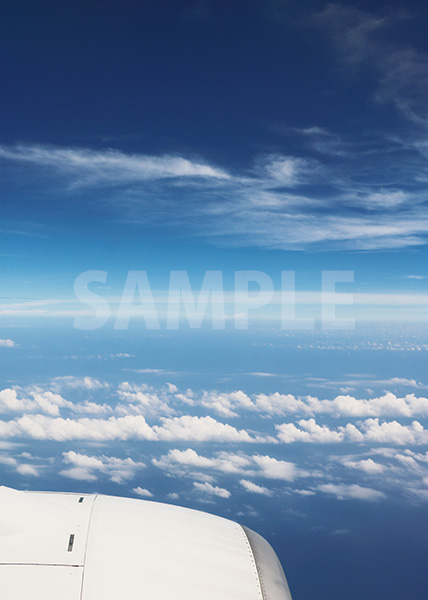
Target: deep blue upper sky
[204,77]
[302,127]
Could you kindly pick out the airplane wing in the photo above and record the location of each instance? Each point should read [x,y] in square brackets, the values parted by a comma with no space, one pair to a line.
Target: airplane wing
[92,547]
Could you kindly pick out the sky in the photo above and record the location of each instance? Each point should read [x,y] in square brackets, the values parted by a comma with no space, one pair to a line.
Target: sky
[214,282]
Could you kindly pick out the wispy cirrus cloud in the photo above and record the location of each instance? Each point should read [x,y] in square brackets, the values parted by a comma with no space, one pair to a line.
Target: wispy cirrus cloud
[280,201]
[83,166]
[363,40]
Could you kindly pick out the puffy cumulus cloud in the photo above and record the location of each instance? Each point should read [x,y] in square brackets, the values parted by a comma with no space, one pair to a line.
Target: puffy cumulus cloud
[211,490]
[91,408]
[235,403]
[367,465]
[142,492]
[226,404]
[384,406]
[182,462]
[36,401]
[280,404]
[370,430]
[184,428]
[188,459]
[344,405]
[90,384]
[142,399]
[249,486]
[22,468]
[393,432]
[89,468]
[200,429]
[27,470]
[272,468]
[7,344]
[41,427]
[351,492]
[309,431]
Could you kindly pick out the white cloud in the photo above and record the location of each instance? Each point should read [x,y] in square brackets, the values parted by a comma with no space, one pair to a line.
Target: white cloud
[201,429]
[393,432]
[41,427]
[142,492]
[368,431]
[367,465]
[304,492]
[263,206]
[226,404]
[236,403]
[87,383]
[38,401]
[7,344]
[26,470]
[89,468]
[211,490]
[91,167]
[142,399]
[182,463]
[249,486]
[309,431]
[361,42]
[272,468]
[351,492]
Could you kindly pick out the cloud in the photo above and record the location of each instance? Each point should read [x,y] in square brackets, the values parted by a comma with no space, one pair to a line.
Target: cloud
[27,470]
[200,429]
[309,432]
[40,427]
[183,462]
[272,468]
[95,167]
[226,404]
[39,401]
[211,490]
[142,492]
[368,431]
[362,41]
[272,203]
[89,384]
[342,406]
[249,486]
[351,492]
[7,344]
[368,465]
[89,468]
[23,469]
[142,399]
[393,432]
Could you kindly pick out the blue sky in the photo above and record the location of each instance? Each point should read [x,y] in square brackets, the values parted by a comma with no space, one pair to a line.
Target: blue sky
[255,137]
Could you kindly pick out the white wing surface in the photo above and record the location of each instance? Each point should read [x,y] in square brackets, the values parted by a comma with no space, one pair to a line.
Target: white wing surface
[92,547]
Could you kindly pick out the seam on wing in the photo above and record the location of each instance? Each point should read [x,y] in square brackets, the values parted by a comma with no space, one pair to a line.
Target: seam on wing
[86,545]
[261,589]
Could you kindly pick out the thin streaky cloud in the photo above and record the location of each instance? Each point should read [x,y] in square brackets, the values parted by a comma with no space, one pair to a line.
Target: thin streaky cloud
[275,203]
